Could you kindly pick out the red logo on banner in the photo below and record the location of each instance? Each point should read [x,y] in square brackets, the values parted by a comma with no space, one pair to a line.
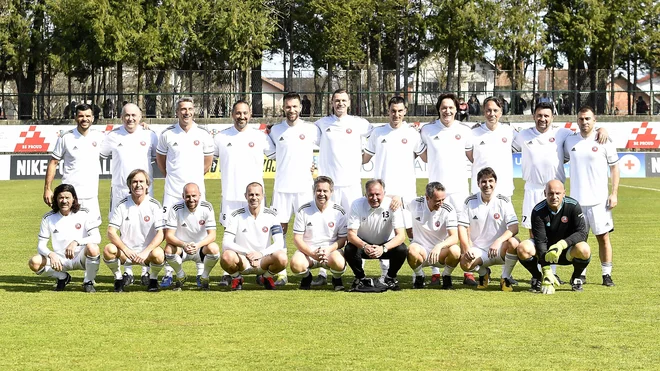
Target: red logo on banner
[643,137]
[569,125]
[33,141]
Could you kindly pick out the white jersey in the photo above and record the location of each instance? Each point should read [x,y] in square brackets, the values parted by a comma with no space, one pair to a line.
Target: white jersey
[431,227]
[129,151]
[320,228]
[375,226]
[185,153]
[253,234]
[137,223]
[80,155]
[542,155]
[340,155]
[487,221]
[62,230]
[294,146]
[241,158]
[393,152]
[492,148]
[191,226]
[590,166]
[445,151]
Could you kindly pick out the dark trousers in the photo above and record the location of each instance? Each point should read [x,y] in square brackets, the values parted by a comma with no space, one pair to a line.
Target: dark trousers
[354,256]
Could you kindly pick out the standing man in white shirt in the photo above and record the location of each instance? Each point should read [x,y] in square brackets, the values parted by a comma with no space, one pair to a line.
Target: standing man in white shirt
[252,242]
[240,150]
[74,236]
[319,233]
[135,231]
[590,164]
[184,154]
[79,151]
[448,150]
[190,235]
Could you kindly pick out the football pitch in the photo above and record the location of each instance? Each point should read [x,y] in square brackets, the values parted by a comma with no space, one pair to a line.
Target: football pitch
[600,328]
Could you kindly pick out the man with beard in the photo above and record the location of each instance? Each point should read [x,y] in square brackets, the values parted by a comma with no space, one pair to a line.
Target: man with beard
[75,237]
[252,242]
[190,235]
[79,150]
[184,154]
[139,220]
[294,142]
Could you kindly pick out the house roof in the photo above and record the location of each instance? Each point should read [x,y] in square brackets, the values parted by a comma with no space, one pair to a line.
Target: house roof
[273,83]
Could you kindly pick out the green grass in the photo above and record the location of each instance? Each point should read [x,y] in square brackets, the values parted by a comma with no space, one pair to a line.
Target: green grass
[601,328]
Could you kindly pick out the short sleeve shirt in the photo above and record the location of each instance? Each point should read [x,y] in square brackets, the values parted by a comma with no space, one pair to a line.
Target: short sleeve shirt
[320,228]
[191,226]
[137,223]
[253,233]
[375,226]
[80,160]
[487,221]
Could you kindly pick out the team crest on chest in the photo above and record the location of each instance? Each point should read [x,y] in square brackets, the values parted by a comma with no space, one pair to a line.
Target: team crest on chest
[457,136]
[251,144]
[147,219]
[551,140]
[196,142]
[504,140]
[331,224]
[437,224]
[349,130]
[564,219]
[94,144]
[496,216]
[404,140]
[264,229]
[78,226]
[202,222]
[594,149]
[302,136]
[143,143]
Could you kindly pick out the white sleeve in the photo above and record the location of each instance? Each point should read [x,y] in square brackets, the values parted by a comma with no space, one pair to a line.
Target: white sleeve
[154,144]
[162,144]
[397,219]
[44,236]
[229,243]
[106,146]
[116,217]
[342,229]
[370,149]
[510,216]
[299,223]
[354,217]
[58,151]
[269,147]
[209,146]
[171,221]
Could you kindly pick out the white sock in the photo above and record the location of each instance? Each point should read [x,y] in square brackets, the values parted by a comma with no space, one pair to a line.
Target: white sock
[337,274]
[128,268]
[607,268]
[510,261]
[384,266]
[447,271]
[584,272]
[482,270]
[175,261]
[92,264]
[48,271]
[435,270]
[324,273]
[113,265]
[168,270]
[419,271]
[145,270]
[303,273]
[210,260]
[282,274]
[155,269]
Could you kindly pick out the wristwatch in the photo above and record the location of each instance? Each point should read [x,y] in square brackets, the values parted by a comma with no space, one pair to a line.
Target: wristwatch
[384,249]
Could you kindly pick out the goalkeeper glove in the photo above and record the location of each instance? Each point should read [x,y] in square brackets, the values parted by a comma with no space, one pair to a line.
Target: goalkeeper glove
[549,281]
[552,256]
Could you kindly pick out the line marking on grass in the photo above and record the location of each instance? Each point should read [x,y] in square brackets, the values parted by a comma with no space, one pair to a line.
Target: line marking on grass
[636,187]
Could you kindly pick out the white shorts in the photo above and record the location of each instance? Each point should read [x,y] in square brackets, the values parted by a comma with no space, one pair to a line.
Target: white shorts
[530,200]
[91,204]
[196,257]
[345,195]
[119,193]
[598,218]
[486,261]
[457,200]
[287,204]
[229,207]
[75,264]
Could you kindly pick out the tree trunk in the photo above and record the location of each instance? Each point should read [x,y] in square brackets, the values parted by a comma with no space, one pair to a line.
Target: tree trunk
[451,68]
[651,96]
[379,61]
[330,72]
[635,78]
[120,88]
[459,75]
[257,97]
[398,61]
[629,88]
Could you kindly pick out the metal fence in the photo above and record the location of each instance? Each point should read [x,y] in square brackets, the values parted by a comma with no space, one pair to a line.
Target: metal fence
[214,91]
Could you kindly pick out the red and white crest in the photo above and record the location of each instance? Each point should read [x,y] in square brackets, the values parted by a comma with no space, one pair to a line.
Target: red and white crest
[202,222]
[564,219]
[78,226]
[302,136]
[264,229]
[147,219]
[251,144]
[458,136]
[594,149]
[349,130]
[196,142]
[331,224]
[143,143]
[437,224]
[504,140]
[94,144]
[551,140]
[496,216]
[404,140]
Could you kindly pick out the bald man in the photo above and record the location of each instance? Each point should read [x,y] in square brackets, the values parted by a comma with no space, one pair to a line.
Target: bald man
[560,237]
